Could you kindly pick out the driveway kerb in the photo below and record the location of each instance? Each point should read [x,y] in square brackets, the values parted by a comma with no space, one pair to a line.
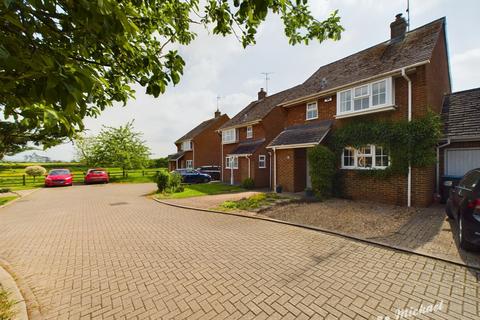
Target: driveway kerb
[10,285]
[19,197]
[336,233]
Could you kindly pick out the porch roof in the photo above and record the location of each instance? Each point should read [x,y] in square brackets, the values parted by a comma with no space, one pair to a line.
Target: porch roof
[303,134]
[247,147]
[176,156]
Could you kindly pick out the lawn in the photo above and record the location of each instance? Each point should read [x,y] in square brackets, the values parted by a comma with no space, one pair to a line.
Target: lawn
[204,189]
[4,200]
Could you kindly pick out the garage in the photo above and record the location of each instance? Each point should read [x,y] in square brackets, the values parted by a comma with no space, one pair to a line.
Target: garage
[460,161]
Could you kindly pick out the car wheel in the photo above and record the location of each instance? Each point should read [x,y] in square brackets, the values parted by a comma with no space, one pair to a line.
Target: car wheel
[448,211]
[464,244]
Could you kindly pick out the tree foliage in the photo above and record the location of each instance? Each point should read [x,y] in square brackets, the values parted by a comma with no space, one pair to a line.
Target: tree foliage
[35,171]
[115,147]
[64,60]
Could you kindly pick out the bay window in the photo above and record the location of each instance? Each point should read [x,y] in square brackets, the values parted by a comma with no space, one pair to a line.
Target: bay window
[370,96]
[366,157]
[229,136]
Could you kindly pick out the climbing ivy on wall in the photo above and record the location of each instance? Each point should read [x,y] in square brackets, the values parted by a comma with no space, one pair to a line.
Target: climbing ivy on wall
[407,142]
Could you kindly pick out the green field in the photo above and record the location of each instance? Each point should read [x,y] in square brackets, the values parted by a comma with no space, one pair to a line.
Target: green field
[12,175]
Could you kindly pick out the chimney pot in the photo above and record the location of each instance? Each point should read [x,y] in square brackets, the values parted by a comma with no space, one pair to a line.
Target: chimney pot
[261,94]
[398,27]
[217,113]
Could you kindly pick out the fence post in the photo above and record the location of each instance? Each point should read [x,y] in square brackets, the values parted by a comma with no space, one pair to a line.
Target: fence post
[24,182]
[143,173]
[123,173]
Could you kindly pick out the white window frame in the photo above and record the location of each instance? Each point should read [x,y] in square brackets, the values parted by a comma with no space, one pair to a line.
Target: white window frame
[262,161]
[357,155]
[187,145]
[229,136]
[389,98]
[249,132]
[231,162]
[311,107]
[189,164]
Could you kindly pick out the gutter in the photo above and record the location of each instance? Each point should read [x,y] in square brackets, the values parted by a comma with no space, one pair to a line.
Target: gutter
[330,91]
[241,125]
[409,180]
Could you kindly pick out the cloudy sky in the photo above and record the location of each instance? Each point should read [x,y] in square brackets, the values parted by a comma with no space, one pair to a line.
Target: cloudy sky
[217,66]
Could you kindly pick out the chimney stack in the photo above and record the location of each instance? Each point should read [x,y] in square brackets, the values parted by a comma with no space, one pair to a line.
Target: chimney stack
[217,113]
[398,27]
[261,94]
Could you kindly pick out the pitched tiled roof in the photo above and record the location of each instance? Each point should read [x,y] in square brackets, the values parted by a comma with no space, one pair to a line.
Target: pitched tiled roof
[416,47]
[247,147]
[198,129]
[461,114]
[302,134]
[258,109]
[176,156]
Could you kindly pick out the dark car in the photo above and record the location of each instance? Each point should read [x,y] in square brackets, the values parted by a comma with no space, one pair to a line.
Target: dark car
[212,171]
[463,205]
[193,176]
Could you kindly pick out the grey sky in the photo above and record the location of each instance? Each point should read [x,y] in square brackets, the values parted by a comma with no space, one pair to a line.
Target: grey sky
[220,66]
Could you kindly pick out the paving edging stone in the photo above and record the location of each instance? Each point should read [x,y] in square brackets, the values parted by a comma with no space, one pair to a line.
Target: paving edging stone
[335,233]
[9,284]
[19,197]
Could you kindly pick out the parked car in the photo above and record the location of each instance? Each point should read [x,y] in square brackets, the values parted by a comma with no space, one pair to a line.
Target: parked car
[212,171]
[463,205]
[59,177]
[193,176]
[97,175]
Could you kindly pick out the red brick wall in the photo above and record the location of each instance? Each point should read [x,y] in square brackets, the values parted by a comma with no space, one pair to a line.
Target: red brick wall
[326,111]
[292,169]
[208,145]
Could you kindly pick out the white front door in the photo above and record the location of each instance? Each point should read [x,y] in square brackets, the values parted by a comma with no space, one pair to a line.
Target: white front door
[309,179]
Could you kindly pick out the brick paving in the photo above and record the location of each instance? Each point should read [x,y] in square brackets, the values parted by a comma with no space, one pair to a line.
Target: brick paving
[107,252]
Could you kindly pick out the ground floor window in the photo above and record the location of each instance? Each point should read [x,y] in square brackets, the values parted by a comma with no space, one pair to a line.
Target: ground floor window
[366,157]
[262,161]
[231,162]
[189,164]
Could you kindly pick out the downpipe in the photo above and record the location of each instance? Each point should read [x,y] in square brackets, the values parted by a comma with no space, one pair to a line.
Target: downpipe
[409,179]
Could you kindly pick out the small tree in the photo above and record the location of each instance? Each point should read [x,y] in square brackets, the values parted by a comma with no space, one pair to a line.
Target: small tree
[322,170]
[35,171]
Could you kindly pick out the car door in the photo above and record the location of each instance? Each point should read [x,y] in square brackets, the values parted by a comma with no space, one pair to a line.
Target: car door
[463,191]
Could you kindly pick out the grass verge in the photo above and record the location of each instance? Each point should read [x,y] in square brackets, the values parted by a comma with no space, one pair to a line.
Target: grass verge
[6,305]
[198,190]
[4,200]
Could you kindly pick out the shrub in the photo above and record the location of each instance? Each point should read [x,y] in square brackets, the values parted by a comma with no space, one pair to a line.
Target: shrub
[163,180]
[5,190]
[248,183]
[322,170]
[35,171]
[175,182]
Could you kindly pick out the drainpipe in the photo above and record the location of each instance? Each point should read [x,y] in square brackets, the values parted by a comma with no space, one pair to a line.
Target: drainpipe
[176,164]
[193,153]
[248,158]
[270,171]
[409,182]
[275,169]
[437,187]
[222,165]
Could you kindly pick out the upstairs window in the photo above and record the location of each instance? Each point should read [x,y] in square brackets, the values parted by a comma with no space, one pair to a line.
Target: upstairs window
[187,145]
[365,97]
[366,157]
[312,111]
[229,136]
[249,132]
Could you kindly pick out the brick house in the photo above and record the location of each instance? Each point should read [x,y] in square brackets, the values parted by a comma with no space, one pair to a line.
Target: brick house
[200,146]
[245,137]
[459,150]
[401,78]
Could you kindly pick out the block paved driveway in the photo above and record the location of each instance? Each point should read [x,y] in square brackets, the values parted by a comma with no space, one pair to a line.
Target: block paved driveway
[107,252]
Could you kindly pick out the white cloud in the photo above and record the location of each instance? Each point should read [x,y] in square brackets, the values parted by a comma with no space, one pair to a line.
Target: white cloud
[465,67]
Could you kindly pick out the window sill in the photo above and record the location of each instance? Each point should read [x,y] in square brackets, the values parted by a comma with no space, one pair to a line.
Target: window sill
[364,112]
[230,142]
[311,119]
[363,169]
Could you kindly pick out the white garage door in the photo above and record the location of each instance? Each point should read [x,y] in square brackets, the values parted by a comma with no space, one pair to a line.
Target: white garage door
[460,161]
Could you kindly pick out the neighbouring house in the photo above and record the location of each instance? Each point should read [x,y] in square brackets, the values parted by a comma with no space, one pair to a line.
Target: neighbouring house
[245,137]
[399,79]
[459,151]
[201,146]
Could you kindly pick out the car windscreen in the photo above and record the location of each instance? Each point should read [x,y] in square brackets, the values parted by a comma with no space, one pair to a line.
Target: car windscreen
[96,172]
[58,172]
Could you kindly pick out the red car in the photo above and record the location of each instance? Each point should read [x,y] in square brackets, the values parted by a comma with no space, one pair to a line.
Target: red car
[59,177]
[96,175]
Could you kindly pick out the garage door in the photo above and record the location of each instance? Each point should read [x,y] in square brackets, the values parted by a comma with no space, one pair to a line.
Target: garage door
[460,161]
